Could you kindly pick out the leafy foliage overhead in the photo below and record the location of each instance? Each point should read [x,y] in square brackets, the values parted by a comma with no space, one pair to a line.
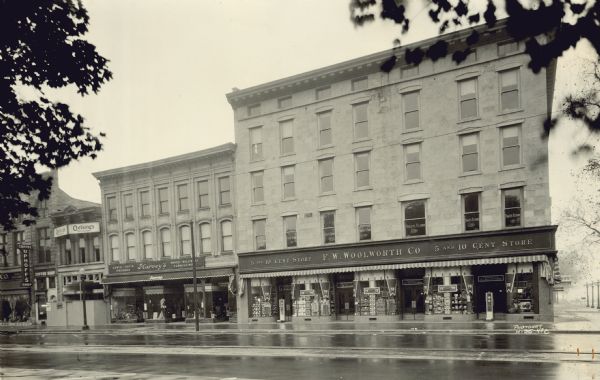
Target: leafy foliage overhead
[42,47]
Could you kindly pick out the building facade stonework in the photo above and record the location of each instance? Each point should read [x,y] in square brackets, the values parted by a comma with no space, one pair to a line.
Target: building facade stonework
[419,193]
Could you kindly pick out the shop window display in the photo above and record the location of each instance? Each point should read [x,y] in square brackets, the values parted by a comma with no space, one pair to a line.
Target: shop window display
[262,296]
[124,307]
[447,299]
[16,308]
[520,286]
[312,299]
[376,300]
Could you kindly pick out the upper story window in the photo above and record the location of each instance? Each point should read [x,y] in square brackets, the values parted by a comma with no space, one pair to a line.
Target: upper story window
[287,136]
[260,239]
[256,144]
[507,47]
[363,222]
[328,226]
[128,206]
[512,204]
[18,238]
[111,208]
[471,206]
[326,175]
[360,84]
[4,249]
[130,246]
[226,236]
[163,200]
[258,193]
[289,228]
[323,93]
[288,182]
[411,110]
[145,209]
[412,158]
[165,242]
[361,122]
[361,167]
[470,152]
[148,246]
[82,250]
[96,247]
[511,145]
[285,102]
[325,133]
[205,239]
[183,200]
[253,110]
[224,191]
[203,194]
[509,90]
[185,241]
[69,252]
[44,254]
[414,218]
[409,71]
[43,208]
[113,242]
[467,90]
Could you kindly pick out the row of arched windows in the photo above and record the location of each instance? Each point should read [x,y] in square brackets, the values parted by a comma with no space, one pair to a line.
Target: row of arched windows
[160,246]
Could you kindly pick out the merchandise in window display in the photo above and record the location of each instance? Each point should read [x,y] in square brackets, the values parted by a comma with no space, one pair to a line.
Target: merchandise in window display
[458,302]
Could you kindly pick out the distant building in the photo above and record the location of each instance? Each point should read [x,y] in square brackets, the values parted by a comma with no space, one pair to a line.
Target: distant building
[154,214]
[416,194]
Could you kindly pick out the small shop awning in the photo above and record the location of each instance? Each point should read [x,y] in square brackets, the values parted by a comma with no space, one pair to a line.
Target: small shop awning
[426,264]
[146,277]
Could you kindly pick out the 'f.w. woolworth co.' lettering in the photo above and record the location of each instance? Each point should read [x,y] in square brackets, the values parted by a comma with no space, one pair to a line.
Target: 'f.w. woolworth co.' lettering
[401,251]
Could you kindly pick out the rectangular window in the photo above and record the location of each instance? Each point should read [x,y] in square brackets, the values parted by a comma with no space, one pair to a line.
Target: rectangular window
[470,152]
[254,110]
[111,208]
[96,244]
[328,225]
[471,211]
[226,236]
[286,129]
[412,157]
[323,93]
[183,200]
[325,133]
[130,246]
[508,47]
[44,254]
[203,194]
[128,206]
[509,90]
[18,238]
[361,122]
[51,282]
[185,241]
[467,90]
[411,110]
[512,203]
[259,234]
[68,252]
[42,208]
[326,175]
[148,246]
[82,255]
[414,218]
[258,194]
[289,228]
[163,200]
[114,247]
[4,249]
[409,71]
[205,239]
[361,167]
[285,102]
[288,181]
[165,242]
[360,84]
[224,191]
[511,145]
[256,146]
[145,203]
[363,221]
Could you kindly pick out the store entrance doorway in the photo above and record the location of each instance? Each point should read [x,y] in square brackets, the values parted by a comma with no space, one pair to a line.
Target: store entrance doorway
[219,299]
[345,303]
[490,278]
[413,302]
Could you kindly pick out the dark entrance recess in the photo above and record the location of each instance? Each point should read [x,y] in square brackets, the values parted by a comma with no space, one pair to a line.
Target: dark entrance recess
[344,296]
[412,297]
[490,278]
[284,291]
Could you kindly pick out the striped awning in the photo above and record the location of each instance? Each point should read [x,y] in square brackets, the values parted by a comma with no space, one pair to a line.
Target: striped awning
[146,277]
[426,264]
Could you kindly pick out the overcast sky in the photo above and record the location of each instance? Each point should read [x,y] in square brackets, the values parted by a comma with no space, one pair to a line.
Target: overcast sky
[174,61]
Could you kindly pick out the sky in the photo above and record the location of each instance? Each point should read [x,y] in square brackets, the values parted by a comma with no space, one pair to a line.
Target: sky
[174,61]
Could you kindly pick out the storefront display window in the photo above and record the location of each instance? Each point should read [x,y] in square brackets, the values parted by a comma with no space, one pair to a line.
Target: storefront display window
[261,299]
[312,297]
[377,297]
[16,308]
[452,296]
[124,306]
[522,292]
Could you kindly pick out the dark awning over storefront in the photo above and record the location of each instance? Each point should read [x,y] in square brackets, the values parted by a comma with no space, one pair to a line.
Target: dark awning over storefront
[145,277]
[428,264]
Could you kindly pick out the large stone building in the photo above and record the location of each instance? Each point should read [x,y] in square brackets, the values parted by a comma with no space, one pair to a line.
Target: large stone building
[154,215]
[421,193]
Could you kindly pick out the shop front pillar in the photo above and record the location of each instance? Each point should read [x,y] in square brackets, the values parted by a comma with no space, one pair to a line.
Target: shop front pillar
[204,308]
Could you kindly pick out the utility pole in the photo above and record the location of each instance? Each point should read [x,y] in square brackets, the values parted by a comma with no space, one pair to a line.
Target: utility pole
[82,298]
[194,278]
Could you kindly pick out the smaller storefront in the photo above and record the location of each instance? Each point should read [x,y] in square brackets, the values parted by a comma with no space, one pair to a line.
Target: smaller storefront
[15,299]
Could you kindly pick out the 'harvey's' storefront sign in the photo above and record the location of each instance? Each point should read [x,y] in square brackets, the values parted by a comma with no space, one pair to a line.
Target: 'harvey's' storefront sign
[414,250]
[155,266]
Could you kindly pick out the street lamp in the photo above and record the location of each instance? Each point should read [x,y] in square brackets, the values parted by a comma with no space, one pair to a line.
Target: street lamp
[82,298]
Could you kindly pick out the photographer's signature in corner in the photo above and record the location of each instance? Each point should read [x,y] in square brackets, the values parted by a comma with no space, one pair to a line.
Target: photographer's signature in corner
[531,329]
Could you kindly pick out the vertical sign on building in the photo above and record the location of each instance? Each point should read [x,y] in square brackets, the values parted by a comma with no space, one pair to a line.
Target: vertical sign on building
[25,264]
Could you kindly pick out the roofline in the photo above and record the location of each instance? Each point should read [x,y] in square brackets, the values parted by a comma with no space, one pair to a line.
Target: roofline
[206,153]
[355,64]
